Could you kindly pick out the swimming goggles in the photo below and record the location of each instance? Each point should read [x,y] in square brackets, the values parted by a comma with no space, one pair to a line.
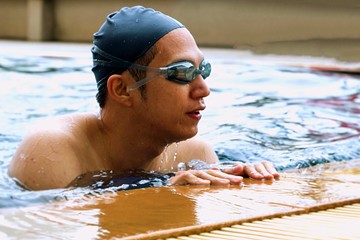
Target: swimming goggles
[181,72]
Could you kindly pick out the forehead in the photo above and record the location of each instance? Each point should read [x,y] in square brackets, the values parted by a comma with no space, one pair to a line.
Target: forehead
[175,46]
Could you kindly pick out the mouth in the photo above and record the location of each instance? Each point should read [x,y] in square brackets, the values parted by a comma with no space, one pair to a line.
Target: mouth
[196,114]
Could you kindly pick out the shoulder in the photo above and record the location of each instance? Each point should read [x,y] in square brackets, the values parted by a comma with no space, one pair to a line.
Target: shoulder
[196,148]
[46,158]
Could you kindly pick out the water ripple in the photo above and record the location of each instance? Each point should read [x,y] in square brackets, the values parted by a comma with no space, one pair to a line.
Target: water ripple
[293,117]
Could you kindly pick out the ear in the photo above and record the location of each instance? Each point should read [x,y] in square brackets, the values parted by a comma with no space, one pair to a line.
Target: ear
[116,88]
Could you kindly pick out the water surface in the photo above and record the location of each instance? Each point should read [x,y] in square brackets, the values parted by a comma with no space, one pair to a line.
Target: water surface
[258,110]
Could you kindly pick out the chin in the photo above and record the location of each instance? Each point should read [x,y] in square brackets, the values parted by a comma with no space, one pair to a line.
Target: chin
[181,134]
[189,135]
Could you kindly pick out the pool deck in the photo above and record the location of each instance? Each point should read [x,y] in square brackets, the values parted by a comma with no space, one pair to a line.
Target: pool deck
[172,212]
[182,211]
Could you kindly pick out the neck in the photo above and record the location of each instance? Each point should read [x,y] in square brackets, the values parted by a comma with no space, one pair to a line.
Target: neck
[126,146]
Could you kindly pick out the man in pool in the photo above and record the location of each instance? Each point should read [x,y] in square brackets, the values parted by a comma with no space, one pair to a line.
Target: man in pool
[150,77]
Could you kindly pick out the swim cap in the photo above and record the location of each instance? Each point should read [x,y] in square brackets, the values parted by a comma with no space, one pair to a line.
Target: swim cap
[125,36]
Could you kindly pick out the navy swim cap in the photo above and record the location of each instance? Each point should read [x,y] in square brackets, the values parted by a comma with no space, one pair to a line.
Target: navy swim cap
[125,36]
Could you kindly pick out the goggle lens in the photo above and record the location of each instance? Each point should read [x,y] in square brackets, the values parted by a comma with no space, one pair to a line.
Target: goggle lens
[180,72]
[185,72]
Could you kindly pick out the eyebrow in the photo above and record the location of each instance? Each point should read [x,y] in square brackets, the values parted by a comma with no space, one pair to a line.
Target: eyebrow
[186,60]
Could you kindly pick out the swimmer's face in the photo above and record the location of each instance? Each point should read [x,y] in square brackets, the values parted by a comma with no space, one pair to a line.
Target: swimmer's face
[173,110]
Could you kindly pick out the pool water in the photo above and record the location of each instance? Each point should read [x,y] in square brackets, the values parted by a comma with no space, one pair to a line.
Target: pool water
[259,109]
[291,116]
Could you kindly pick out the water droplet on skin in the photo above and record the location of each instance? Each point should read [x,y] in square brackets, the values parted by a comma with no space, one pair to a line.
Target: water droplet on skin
[41,171]
[164,159]
[175,156]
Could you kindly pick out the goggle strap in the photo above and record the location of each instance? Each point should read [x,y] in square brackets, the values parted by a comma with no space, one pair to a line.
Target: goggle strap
[140,83]
[114,61]
[118,62]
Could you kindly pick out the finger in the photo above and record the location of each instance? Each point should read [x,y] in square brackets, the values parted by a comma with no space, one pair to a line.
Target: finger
[260,168]
[237,169]
[271,169]
[223,175]
[186,177]
[214,176]
[251,171]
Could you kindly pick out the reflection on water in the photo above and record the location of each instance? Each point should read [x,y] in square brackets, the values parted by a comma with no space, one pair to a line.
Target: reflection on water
[291,116]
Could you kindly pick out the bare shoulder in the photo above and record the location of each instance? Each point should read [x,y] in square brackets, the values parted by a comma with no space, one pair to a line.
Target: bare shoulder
[196,148]
[46,158]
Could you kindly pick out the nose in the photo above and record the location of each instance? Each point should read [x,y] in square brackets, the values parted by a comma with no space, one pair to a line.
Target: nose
[199,88]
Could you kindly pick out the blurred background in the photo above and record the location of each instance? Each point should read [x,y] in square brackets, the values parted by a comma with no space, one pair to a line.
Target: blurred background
[296,27]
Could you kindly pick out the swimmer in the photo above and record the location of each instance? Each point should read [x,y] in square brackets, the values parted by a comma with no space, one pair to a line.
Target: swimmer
[150,76]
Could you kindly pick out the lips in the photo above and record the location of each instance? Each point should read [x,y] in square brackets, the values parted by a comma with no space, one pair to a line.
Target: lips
[196,113]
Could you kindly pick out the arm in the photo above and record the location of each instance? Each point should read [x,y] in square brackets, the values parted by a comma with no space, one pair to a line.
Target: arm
[198,149]
[44,160]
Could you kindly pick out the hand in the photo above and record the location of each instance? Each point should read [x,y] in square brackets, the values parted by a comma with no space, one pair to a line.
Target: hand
[204,177]
[233,175]
[262,170]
